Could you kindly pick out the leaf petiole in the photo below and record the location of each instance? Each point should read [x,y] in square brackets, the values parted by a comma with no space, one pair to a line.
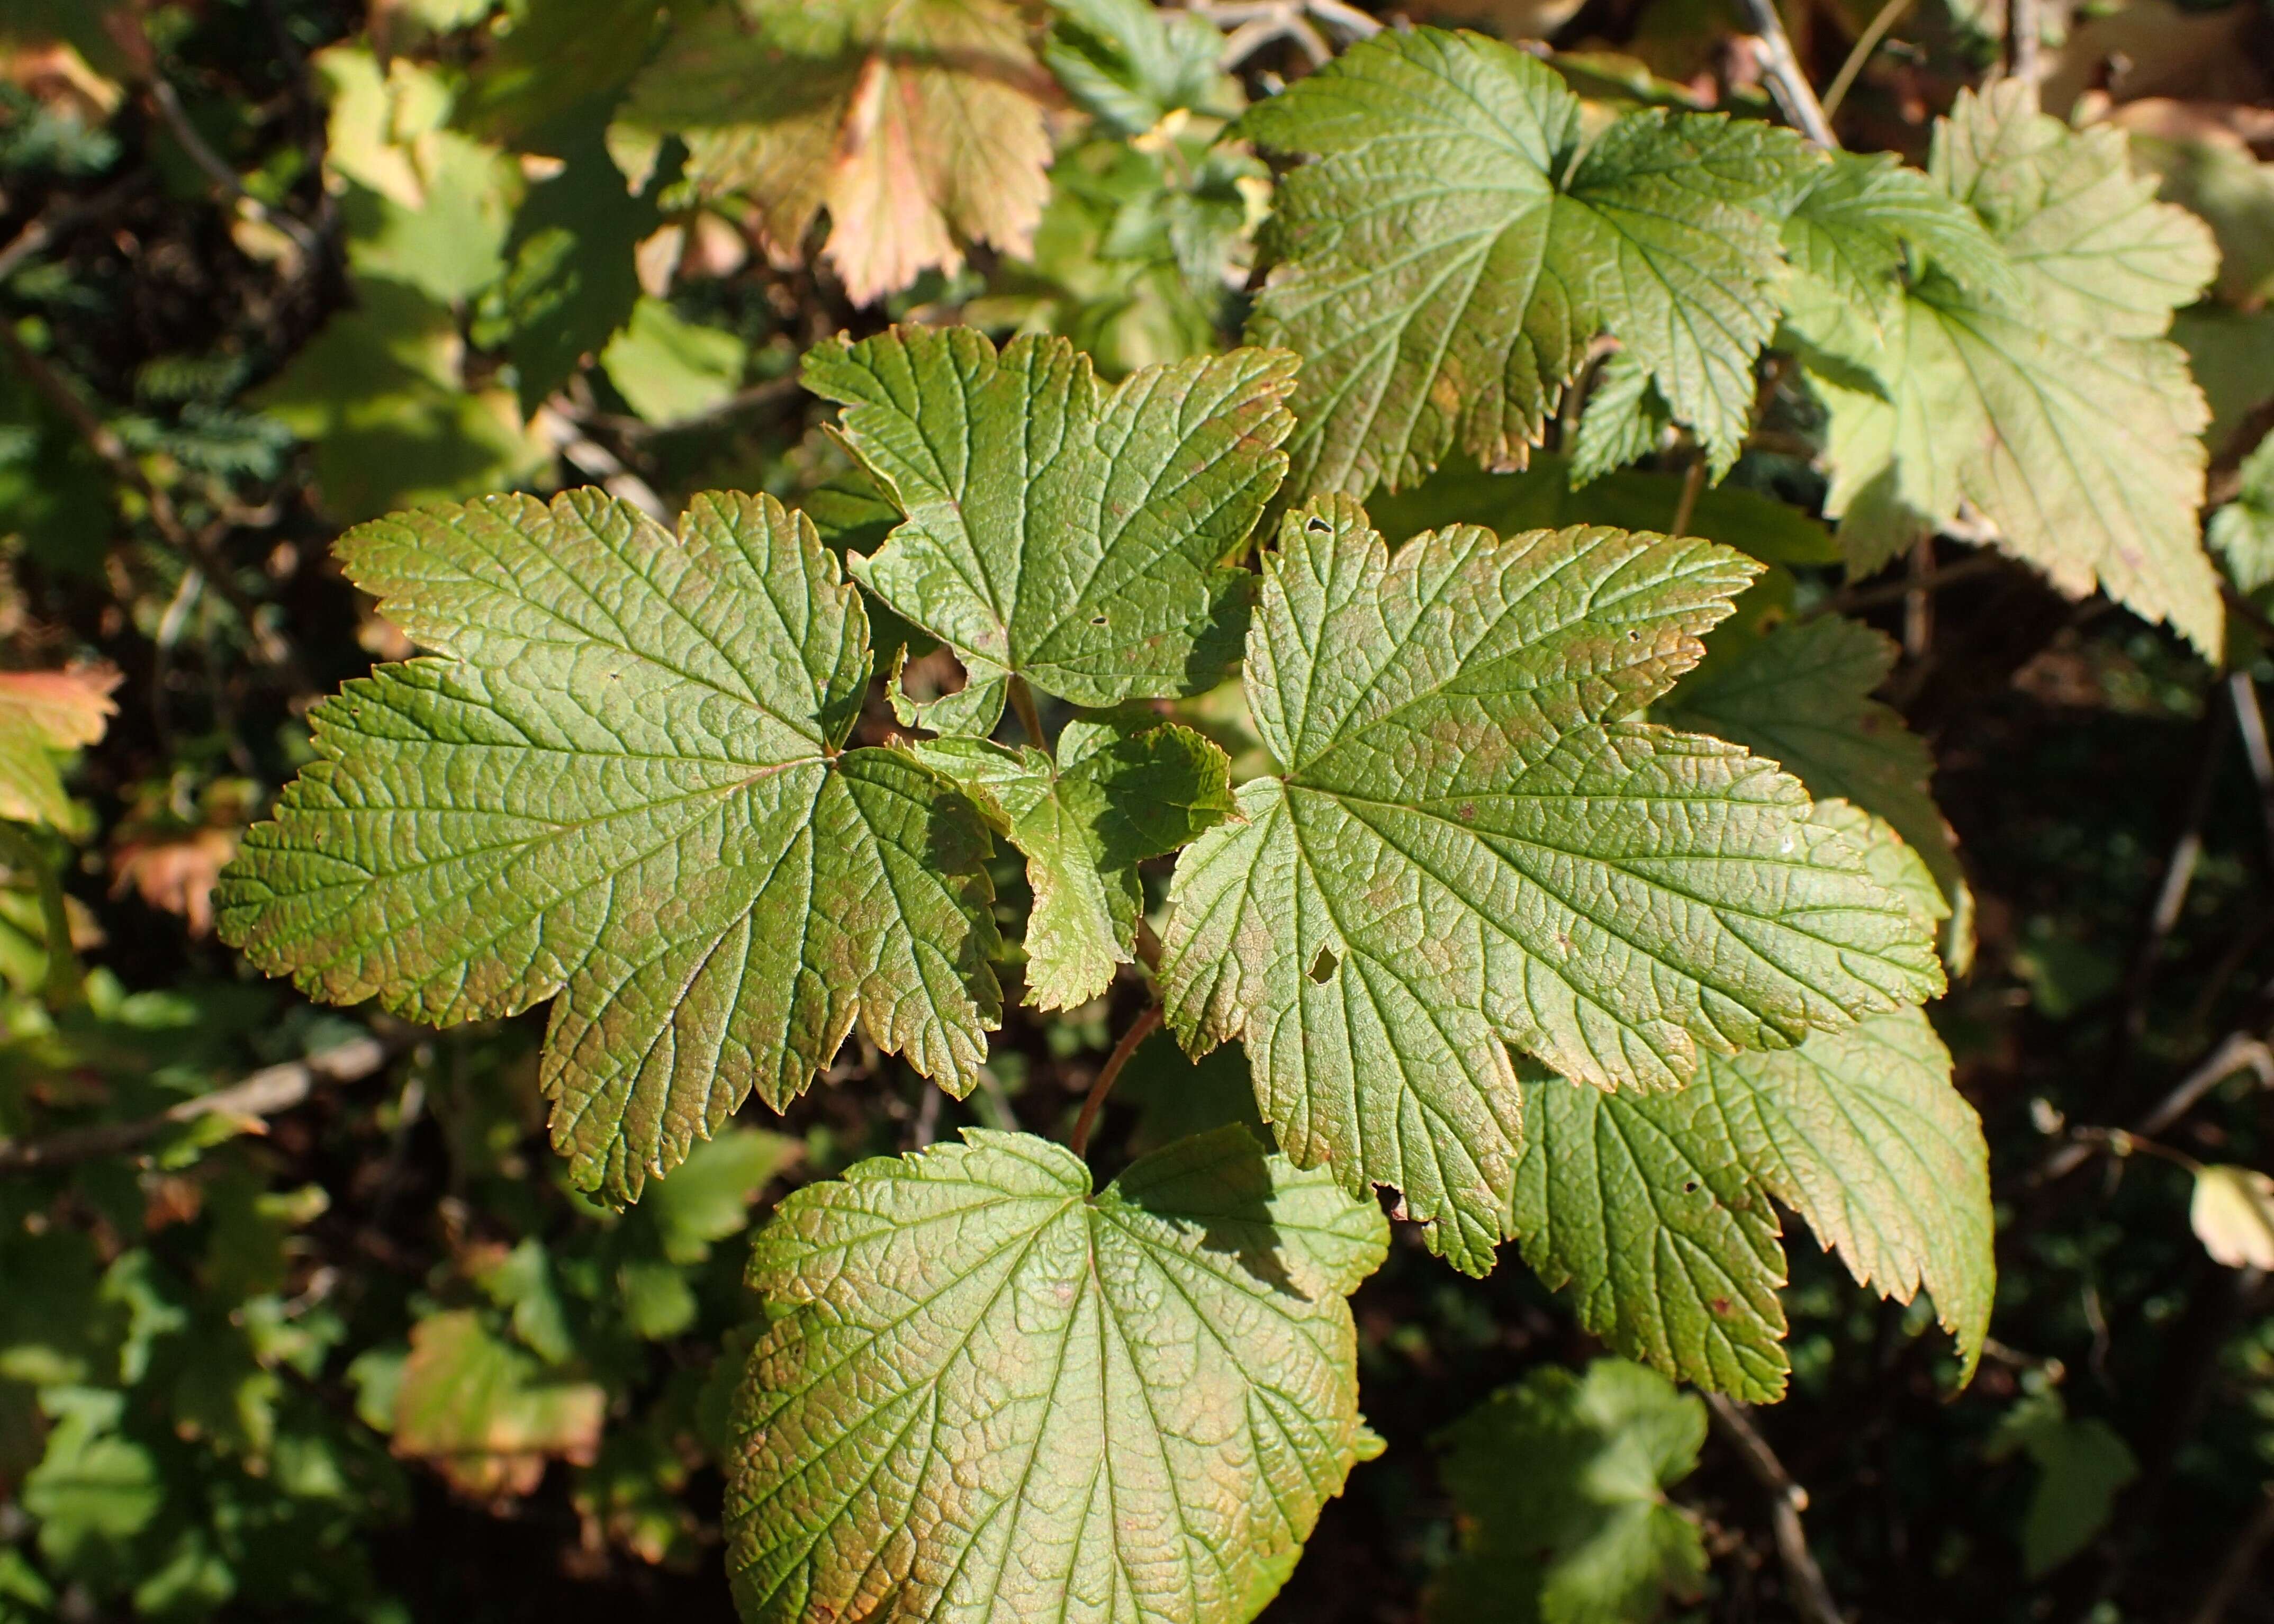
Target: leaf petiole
[1140,1029]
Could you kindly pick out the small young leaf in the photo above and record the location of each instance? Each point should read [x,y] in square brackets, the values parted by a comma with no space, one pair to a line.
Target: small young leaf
[1130,64]
[1056,531]
[2080,1464]
[1116,794]
[1560,1482]
[1451,248]
[624,784]
[1473,847]
[992,1396]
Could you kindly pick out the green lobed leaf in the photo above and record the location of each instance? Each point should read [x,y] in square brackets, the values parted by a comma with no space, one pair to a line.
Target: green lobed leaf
[1654,1212]
[1864,221]
[2081,1465]
[2072,423]
[990,1395]
[1474,846]
[1129,64]
[624,784]
[1559,1483]
[485,1414]
[1801,697]
[1116,793]
[1452,246]
[1058,532]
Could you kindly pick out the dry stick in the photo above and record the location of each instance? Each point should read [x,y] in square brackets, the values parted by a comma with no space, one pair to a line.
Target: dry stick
[197,548]
[1811,1597]
[2250,721]
[1843,81]
[1693,481]
[1918,604]
[2024,33]
[2238,1050]
[1794,96]
[170,107]
[1140,1029]
[2235,1571]
[267,1092]
[1849,598]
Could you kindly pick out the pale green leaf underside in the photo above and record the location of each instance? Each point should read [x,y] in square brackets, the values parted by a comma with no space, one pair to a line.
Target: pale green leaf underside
[1801,697]
[2069,421]
[621,785]
[1582,1532]
[1654,1213]
[1444,261]
[1059,531]
[1118,793]
[991,1396]
[1473,849]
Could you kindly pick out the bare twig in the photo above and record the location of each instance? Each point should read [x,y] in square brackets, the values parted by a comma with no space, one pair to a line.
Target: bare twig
[2250,722]
[1810,1597]
[1693,481]
[1022,705]
[2025,30]
[1848,598]
[2238,1050]
[1140,1029]
[2241,1560]
[1866,42]
[1918,604]
[1795,97]
[266,1092]
[177,117]
[589,456]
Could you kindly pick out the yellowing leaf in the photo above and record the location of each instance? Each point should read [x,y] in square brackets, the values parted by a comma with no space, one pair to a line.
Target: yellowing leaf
[2070,421]
[2234,1215]
[42,712]
[916,124]
[485,1414]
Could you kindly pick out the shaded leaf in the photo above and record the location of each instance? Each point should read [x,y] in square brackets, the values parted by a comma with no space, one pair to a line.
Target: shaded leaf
[622,784]
[484,1414]
[2243,531]
[991,1396]
[1559,1483]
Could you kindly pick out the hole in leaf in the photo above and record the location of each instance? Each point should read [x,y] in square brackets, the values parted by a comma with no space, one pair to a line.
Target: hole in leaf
[1318,526]
[1689,1186]
[1097,619]
[1324,966]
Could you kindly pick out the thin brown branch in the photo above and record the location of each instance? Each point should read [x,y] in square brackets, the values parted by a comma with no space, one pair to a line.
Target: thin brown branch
[1022,705]
[1867,42]
[2250,722]
[1854,598]
[1140,1029]
[1794,96]
[1810,1597]
[2241,1561]
[266,1092]
[1693,481]
[176,118]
